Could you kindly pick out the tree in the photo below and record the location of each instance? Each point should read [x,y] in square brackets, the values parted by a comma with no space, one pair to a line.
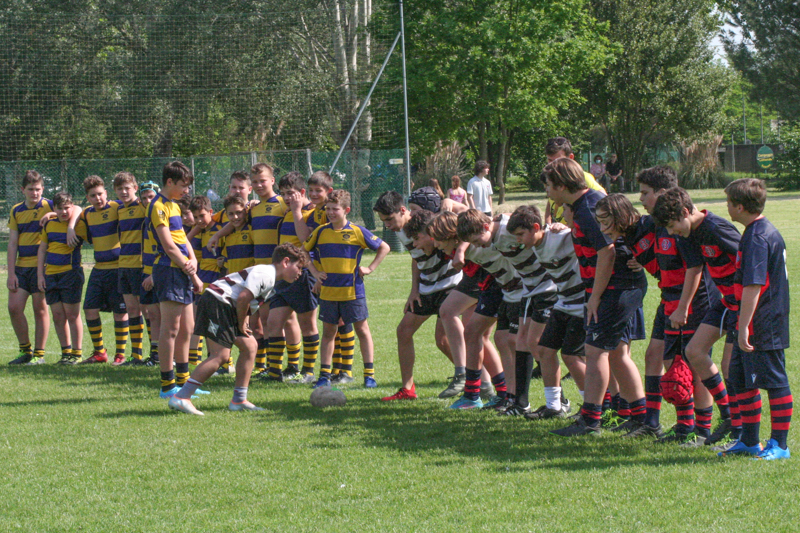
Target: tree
[487,71]
[767,48]
[664,82]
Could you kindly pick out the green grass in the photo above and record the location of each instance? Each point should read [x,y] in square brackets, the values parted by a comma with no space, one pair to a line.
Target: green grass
[94,449]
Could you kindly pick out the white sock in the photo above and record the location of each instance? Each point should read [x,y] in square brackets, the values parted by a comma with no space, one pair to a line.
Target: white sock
[552,397]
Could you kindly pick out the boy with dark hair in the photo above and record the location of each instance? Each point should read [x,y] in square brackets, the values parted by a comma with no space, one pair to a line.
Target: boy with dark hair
[479,189]
[762,289]
[338,246]
[102,220]
[62,279]
[174,277]
[147,296]
[561,328]
[24,237]
[223,315]
[614,293]
[717,240]
[130,215]
[556,148]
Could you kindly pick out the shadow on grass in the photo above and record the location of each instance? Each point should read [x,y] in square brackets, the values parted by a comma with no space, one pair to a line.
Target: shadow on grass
[48,402]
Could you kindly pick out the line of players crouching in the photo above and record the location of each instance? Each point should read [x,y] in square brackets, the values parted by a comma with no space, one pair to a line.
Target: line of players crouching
[579,287]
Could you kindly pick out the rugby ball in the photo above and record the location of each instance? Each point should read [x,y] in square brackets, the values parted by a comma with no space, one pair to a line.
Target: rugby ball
[327,397]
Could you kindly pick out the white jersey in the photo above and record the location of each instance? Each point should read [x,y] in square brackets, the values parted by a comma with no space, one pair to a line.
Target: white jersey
[259,279]
[557,255]
[534,276]
[500,268]
[436,272]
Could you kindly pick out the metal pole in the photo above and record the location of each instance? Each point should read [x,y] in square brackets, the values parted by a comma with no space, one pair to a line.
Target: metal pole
[364,105]
[405,95]
[761,115]
[733,154]
[744,120]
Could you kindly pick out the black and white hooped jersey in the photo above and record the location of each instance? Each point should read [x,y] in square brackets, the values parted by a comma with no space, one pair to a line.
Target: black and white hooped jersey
[500,268]
[761,260]
[534,277]
[259,280]
[556,254]
[436,272]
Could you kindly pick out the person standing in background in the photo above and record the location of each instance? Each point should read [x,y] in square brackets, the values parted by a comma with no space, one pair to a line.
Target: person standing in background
[479,189]
[455,192]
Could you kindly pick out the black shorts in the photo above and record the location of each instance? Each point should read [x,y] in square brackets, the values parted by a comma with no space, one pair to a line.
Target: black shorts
[350,311]
[489,301]
[172,285]
[66,287]
[614,322]
[564,332]
[538,307]
[430,303]
[723,319]
[470,286]
[661,325]
[130,280]
[636,328]
[508,315]
[298,295]
[761,369]
[27,279]
[216,320]
[102,293]
[146,297]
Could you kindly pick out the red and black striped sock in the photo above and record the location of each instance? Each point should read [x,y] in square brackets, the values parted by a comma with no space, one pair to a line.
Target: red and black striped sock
[499,382]
[736,415]
[591,414]
[472,386]
[652,395]
[750,407]
[716,387]
[638,411]
[607,400]
[685,414]
[780,410]
[624,410]
[615,402]
[702,425]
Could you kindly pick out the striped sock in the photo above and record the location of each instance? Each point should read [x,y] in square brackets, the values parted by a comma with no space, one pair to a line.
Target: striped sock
[154,351]
[227,364]
[293,357]
[716,387]
[685,414]
[66,351]
[780,411]
[275,349]
[194,354]
[121,335]
[149,331]
[750,408]
[736,415]
[652,393]
[472,387]
[624,408]
[325,371]
[38,352]
[96,333]
[348,348]
[337,354]
[369,370]
[25,347]
[188,389]
[261,354]
[167,381]
[181,373]
[77,352]
[137,334]
[591,414]
[499,382]
[607,400]
[702,425]
[638,410]
[310,352]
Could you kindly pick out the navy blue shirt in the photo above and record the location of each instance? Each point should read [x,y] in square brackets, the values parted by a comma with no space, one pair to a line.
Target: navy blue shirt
[718,241]
[761,260]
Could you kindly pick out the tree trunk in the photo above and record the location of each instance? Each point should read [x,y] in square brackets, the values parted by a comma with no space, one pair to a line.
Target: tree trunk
[342,70]
[502,146]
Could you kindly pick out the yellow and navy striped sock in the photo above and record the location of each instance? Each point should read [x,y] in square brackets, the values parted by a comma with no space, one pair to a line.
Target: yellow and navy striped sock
[66,351]
[293,357]
[96,333]
[167,381]
[154,350]
[228,363]
[137,334]
[261,354]
[194,353]
[310,351]
[39,352]
[121,334]
[337,354]
[181,373]
[348,343]
[369,370]
[77,352]
[275,355]
[325,371]
[25,347]
[149,331]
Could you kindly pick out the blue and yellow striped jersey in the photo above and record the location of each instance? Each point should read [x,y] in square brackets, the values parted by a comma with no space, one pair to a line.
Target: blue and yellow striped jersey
[339,254]
[165,212]
[25,220]
[265,219]
[238,249]
[207,269]
[318,218]
[62,257]
[131,219]
[102,228]
[149,252]
[287,230]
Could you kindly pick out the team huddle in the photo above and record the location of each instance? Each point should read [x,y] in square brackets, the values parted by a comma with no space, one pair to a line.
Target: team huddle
[258,274]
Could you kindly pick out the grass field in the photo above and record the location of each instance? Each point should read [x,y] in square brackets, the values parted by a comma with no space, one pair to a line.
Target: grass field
[94,449]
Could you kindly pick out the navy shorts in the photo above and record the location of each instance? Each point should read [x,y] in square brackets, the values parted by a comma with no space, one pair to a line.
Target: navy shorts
[636,328]
[350,311]
[672,341]
[564,332]
[172,285]
[761,369]
[146,297]
[27,279]
[508,315]
[723,319]
[538,307]
[130,280]
[298,295]
[66,287]
[616,321]
[430,303]
[470,286]
[216,320]
[102,292]
[489,300]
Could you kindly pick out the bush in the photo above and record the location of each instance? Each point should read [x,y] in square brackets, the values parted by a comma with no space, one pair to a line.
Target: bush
[787,176]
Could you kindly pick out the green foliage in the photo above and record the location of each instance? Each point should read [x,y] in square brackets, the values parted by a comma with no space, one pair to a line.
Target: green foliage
[788,162]
[756,105]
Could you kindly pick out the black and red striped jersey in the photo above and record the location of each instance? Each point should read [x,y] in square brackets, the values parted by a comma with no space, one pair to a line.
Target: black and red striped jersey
[717,239]
[588,239]
[761,260]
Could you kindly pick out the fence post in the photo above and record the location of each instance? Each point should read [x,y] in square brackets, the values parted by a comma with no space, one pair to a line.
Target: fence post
[253,159]
[193,175]
[308,159]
